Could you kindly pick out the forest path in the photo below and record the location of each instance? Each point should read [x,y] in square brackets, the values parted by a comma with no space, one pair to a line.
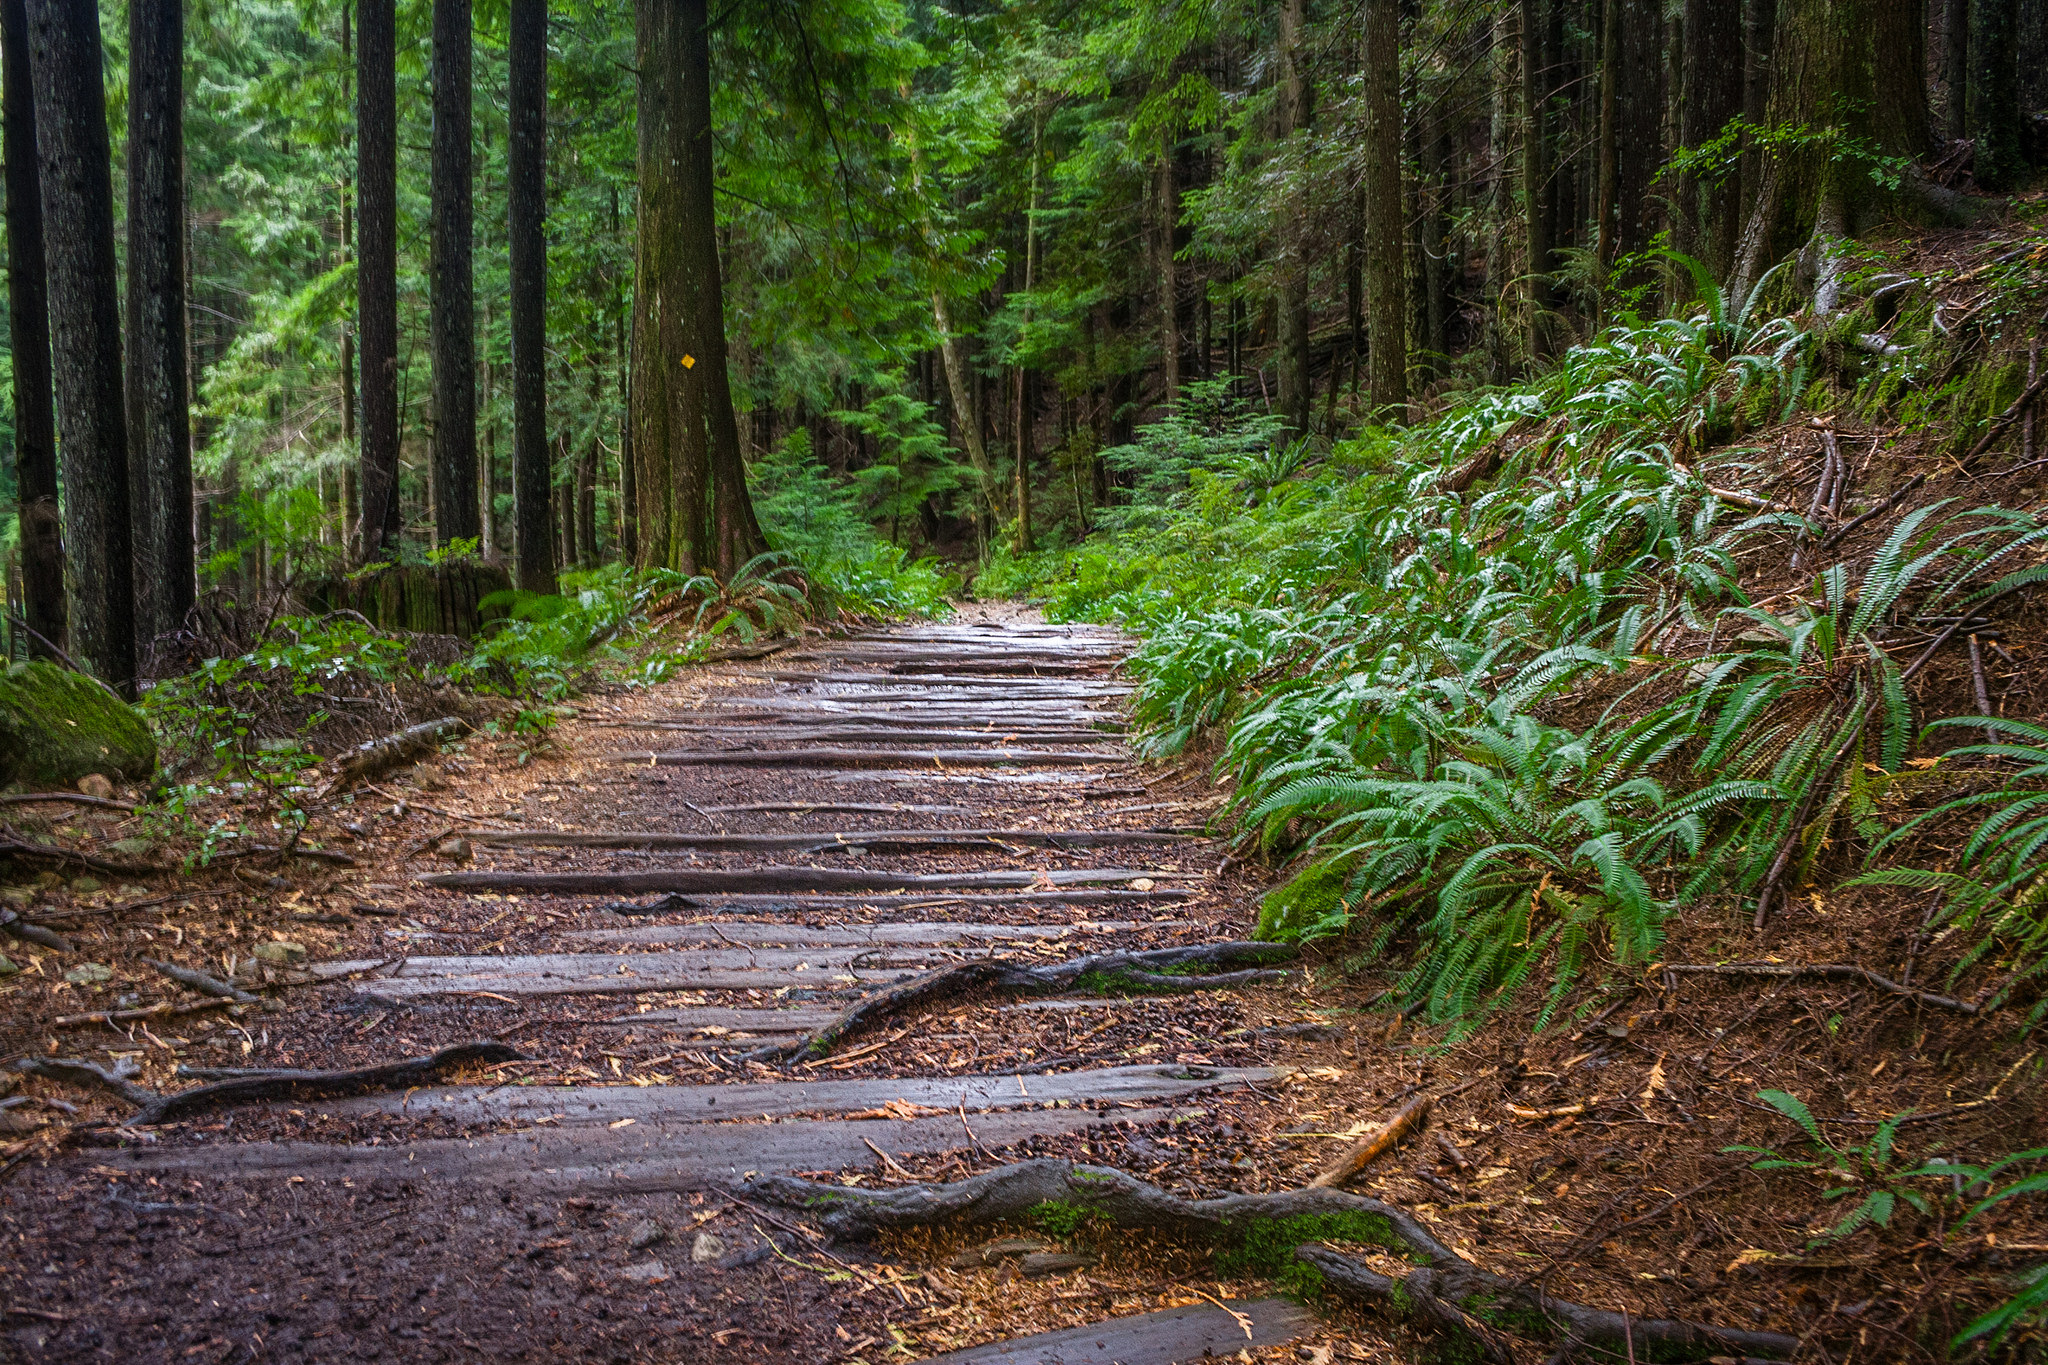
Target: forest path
[706,877]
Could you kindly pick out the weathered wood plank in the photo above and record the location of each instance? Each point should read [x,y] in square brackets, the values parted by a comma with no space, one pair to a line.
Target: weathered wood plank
[896,903]
[939,934]
[1171,1336]
[789,880]
[865,758]
[873,841]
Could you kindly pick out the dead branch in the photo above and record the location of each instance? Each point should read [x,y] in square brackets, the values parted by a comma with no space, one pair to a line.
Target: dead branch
[162,1009]
[1106,970]
[204,984]
[1837,971]
[74,798]
[14,924]
[1849,528]
[306,1085]
[1375,1145]
[78,1071]
[378,756]
[2004,420]
[65,857]
[675,903]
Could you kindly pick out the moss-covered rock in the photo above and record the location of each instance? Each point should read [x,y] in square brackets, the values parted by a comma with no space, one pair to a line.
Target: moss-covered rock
[56,727]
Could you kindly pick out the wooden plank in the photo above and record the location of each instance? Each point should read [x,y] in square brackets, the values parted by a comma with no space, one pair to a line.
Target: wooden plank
[788,880]
[1171,1336]
[879,734]
[1051,687]
[821,968]
[823,757]
[939,934]
[898,903]
[873,841]
[602,1105]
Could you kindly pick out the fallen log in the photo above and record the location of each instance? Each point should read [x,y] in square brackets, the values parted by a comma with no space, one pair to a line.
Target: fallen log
[307,1085]
[1100,972]
[874,841]
[790,880]
[1449,1291]
[378,756]
[867,758]
[204,984]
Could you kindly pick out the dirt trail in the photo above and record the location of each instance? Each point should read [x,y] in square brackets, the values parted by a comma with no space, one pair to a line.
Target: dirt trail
[670,933]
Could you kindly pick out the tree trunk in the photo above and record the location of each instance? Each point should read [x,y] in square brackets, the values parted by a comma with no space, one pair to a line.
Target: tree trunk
[1993,98]
[1385,226]
[1638,125]
[527,190]
[1704,219]
[1610,76]
[1953,84]
[1169,286]
[452,303]
[28,316]
[1536,176]
[85,324]
[377,271]
[1296,391]
[695,513]
[159,412]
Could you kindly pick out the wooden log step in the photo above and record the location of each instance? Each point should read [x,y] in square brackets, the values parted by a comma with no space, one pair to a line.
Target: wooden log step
[788,880]
[827,757]
[676,904]
[871,841]
[835,808]
[877,734]
[1171,1336]
[595,1105]
[819,968]
[638,1158]
[1063,687]
[861,934]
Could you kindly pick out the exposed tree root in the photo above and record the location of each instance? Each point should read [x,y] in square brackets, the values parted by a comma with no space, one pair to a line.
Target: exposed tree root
[1835,971]
[78,1071]
[379,756]
[65,857]
[1271,1234]
[1102,971]
[72,798]
[307,1085]
[204,984]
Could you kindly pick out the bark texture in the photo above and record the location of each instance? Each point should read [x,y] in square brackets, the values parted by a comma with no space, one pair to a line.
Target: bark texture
[85,328]
[528,58]
[159,408]
[695,515]
[1992,102]
[1295,386]
[453,303]
[1385,227]
[1704,215]
[28,316]
[377,270]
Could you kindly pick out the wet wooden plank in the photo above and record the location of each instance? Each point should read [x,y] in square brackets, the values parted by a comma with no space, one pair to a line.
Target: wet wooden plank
[787,880]
[938,934]
[827,757]
[872,841]
[894,904]
[721,969]
[1172,1336]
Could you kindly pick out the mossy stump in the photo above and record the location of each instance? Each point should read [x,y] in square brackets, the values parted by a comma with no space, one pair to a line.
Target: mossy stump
[430,600]
[57,727]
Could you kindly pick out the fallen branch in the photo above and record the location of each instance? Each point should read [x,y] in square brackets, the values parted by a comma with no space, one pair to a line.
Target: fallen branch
[64,857]
[78,1071]
[75,798]
[307,1085]
[204,984]
[2004,420]
[162,1009]
[14,924]
[675,903]
[1449,1289]
[318,855]
[378,756]
[1835,971]
[1375,1145]
[1844,531]
[1104,971]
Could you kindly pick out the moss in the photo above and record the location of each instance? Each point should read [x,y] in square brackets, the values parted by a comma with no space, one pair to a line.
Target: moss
[1058,1217]
[1311,904]
[57,726]
[1266,1246]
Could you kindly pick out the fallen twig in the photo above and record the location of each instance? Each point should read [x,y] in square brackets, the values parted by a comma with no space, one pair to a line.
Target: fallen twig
[1849,528]
[204,984]
[50,853]
[75,798]
[78,1071]
[302,1085]
[1375,1145]
[1823,970]
[162,1009]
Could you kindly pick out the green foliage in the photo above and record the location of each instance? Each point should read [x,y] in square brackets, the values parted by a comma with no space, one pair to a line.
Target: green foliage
[1059,1217]
[1265,1246]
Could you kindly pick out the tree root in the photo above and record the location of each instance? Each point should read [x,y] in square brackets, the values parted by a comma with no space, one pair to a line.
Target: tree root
[65,857]
[1273,1234]
[78,1071]
[1834,971]
[1100,971]
[204,984]
[379,756]
[307,1085]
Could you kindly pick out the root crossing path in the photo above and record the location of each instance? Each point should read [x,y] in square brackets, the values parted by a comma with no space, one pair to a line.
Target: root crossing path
[895,911]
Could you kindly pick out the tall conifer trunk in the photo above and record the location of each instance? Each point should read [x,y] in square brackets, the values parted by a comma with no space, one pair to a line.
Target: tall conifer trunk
[1993,99]
[527,186]
[695,514]
[453,301]
[159,410]
[1386,345]
[1704,218]
[1536,174]
[28,316]
[1295,386]
[377,270]
[85,332]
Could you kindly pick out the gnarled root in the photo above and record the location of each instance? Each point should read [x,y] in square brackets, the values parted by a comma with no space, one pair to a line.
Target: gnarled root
[1444,1289]
[1105,971]
[305,1085]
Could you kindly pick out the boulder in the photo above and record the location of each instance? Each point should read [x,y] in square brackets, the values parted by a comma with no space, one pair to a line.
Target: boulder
[57,727]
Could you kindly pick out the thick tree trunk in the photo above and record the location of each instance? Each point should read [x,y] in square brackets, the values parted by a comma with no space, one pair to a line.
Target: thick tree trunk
[28,316]
[1610,167]
[1296,390]
[159,413]
[377,271]
[1168,210]
[452,303]
[1385,225]
[1993,98]
[1536,176]
[1704,219]
[1638,125]
[527,186]
[1953,81]
[695,512]
[85,326]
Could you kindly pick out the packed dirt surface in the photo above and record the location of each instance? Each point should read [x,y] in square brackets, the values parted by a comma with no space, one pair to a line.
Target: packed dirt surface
[641,940]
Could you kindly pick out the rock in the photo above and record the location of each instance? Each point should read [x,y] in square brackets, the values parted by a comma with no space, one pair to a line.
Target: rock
[7,968]
[9,1082]
[57,727]
[1142,883]
[1053,1263]
[706,1248]
[135,847]
[97,784]
[89,974]
[647,1272]
[458,849]
[20,897]
[82,885]
[281,951]
[645,1234]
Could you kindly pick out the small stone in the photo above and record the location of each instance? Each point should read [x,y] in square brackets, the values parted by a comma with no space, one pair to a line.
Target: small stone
[85,884]
[645,1234]
[706,1248]
[458,849]
[281,951]
[9,1082]
[135,847]
[1142,883]
[89,974]
[7,968]
[96,784]
[647,1272]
